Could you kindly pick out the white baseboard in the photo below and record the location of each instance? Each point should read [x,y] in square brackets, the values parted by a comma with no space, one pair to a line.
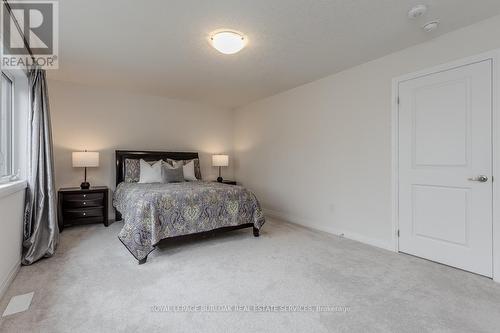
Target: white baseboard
[10,277]
[347,234]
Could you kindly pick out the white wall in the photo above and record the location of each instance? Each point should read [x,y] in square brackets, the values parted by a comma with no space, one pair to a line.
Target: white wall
[12,197]
[320,154]
[104,120]
[11,208]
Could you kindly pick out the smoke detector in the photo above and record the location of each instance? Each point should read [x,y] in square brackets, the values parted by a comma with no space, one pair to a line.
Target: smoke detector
[431,26]
[417,11]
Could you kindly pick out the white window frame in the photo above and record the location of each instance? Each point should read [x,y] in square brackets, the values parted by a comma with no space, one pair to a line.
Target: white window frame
[12,132]
[19,127]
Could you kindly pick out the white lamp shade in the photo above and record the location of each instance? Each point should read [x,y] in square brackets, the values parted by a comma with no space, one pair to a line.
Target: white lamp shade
[220,160]
[85,159]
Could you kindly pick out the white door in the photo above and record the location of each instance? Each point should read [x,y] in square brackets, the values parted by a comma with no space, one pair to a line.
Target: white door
[445,167]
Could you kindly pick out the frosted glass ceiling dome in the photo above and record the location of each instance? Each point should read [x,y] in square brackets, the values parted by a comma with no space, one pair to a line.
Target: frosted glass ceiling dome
[228,42]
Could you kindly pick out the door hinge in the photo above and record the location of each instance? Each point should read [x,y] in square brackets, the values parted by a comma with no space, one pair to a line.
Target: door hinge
[397,232]
[397,101]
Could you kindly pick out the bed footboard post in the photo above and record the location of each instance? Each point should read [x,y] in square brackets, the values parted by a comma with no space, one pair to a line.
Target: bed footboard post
[118,215]
[256,232]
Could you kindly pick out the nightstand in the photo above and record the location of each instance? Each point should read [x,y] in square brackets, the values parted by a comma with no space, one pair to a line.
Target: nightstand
[77,206]
[227,182]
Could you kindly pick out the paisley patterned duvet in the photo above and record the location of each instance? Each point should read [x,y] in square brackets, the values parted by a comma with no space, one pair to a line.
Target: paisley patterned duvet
[152,212]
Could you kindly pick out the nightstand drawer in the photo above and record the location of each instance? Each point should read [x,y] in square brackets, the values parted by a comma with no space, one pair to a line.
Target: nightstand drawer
[83,213]
[83,196]
[82,203]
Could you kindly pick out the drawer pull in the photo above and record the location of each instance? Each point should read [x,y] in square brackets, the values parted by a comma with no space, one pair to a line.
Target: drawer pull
[84,203]
[84,195]
[84,214]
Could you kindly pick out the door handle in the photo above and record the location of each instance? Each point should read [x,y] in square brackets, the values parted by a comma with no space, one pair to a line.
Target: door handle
[480,178]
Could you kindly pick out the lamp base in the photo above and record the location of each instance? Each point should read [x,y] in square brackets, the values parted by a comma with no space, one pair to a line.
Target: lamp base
[219,179]
[85,185]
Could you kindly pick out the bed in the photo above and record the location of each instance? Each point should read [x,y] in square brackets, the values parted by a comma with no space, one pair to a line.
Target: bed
[157,211]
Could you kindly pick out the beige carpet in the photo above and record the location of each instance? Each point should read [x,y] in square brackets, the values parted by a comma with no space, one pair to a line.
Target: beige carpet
[94,285]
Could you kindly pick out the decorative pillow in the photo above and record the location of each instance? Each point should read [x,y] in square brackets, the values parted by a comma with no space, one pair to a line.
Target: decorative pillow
[150,173]
[188,170]
[197,169]
[173,175]
[132,170]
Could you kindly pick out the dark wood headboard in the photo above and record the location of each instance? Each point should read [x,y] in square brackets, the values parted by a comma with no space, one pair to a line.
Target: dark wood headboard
[146,155]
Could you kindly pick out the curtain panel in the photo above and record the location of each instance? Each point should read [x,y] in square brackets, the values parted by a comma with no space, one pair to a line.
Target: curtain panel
[41,232]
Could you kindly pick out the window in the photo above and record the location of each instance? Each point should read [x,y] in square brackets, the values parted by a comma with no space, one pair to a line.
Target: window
[6,124]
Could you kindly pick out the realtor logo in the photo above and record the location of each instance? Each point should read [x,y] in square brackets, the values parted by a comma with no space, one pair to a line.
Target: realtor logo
[31,23]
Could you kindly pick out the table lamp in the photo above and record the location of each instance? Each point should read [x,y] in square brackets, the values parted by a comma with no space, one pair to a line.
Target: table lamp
[85,159]
[220,161]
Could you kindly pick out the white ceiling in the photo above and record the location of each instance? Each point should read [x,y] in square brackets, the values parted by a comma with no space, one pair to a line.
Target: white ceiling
[160,46]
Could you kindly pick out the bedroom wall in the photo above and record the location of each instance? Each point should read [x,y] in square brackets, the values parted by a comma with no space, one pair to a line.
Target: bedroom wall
[102,120]
[320,154]
[11,237]
[12,194]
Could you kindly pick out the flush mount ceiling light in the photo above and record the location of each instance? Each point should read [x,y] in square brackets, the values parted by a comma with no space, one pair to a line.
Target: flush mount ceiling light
[417,11]
[228,42]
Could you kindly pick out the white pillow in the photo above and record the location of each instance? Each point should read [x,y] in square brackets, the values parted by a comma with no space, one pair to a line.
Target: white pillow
[188,170]
[150,173]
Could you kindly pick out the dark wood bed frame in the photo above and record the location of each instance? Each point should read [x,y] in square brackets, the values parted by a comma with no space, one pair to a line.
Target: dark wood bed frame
[146,155]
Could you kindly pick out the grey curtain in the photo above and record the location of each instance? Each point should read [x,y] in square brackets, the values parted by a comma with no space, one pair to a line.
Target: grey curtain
[41,233]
